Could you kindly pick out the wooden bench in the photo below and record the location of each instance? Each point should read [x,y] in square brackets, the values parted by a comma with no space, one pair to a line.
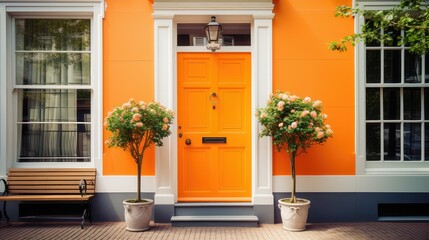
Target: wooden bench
[50,185]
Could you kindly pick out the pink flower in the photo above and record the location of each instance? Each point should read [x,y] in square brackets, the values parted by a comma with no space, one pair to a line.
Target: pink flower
[293,98]
[317,129]
[131,100]
[139,124]
[135,109]
[313,114]
[126,105]
[153,111]
[165,120]
[294,125]
[283,96]
[320,135]
[329,132]
[164,127]
[317,104]
[307,99]
[325,116]
[281,124]
[109,114]
[137,117]
[304,113]
[280,105]
[263,115]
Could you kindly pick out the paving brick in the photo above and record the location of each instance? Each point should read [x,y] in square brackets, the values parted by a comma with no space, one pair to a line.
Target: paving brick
[352,231]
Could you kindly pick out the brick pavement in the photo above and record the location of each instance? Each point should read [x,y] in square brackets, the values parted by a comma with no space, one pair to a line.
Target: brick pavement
[355,231]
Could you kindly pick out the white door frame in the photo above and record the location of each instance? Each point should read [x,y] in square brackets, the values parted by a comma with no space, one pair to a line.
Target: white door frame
[166,16]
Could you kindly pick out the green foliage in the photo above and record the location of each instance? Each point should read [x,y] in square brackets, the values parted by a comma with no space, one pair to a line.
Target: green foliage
[382,26]
[136,125]
[295,124]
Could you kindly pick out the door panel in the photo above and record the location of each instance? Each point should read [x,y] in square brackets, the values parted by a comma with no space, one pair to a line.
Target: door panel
[214,101]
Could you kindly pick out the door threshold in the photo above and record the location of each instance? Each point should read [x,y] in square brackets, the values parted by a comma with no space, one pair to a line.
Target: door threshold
[212,204]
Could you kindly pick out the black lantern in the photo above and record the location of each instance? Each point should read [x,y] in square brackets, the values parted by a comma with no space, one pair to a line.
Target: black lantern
[213,32]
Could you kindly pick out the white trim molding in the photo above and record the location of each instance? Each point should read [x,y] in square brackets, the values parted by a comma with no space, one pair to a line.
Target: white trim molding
[354,184]
[167,14]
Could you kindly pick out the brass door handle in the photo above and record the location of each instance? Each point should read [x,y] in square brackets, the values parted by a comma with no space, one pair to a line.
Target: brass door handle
[188,141]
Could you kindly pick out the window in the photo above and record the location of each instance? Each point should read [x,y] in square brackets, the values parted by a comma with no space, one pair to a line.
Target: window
[395,86]
[233,34]
[52,71]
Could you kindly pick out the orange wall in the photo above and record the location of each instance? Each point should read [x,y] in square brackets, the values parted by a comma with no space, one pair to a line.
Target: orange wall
[128,71]
[301,65]
[304,66]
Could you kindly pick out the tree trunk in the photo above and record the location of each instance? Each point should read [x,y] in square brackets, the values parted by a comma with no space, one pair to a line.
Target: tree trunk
[139,168]
[292,156]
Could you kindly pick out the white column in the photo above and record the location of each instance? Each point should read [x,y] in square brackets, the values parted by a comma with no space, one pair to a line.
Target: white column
[164,93]
[262,87]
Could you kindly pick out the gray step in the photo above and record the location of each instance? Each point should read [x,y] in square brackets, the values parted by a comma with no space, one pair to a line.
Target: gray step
[215,221]
[213,209]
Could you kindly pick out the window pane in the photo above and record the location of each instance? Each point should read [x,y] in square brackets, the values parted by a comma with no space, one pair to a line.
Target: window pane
[392,141]
[373,141]
[412,141]
[392,36]
[371,43]
[233,34]
[53,34]
[372,103]
[427,141]
[54,142]
[412,104]
[426,103]
[392,66]
[40,105]
[373,69]
[427,68]
[413,68]
[53,68]
[391,106]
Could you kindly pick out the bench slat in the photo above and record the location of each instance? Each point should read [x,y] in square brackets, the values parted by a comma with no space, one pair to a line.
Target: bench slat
[51,169]
[51,187]
[46,198]
[30,183]
[59,173]
[41,178]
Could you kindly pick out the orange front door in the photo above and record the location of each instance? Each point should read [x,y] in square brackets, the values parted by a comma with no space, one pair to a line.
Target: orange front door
[214,113]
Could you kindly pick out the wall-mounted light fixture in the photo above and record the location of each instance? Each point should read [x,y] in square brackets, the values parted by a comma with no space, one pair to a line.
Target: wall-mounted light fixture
[214,33]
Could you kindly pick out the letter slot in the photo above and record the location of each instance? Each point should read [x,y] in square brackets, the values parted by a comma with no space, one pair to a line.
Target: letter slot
[214,139]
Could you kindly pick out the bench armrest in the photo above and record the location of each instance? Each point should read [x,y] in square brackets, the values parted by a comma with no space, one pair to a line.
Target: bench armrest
[82,187]
[6,188]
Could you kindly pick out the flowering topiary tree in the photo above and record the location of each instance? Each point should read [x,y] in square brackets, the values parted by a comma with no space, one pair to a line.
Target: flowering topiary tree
[295,125]
[135,126]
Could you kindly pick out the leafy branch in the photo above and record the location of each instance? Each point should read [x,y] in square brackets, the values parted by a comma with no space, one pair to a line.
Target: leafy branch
[384,26]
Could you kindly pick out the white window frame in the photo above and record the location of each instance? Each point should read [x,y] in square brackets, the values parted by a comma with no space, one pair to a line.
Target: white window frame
[377,167]
[9,10]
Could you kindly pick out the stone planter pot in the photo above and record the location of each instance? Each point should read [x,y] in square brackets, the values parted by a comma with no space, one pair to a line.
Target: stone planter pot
[138,215]
[294,215]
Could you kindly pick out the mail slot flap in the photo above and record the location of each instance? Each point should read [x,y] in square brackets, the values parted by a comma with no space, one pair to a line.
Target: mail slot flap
[214,139]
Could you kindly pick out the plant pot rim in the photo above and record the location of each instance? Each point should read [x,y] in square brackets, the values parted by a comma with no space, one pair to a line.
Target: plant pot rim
[145,201]
[301,201]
